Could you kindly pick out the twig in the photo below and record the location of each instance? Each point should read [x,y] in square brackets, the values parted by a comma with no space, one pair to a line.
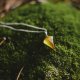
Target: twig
[18,76]
[4,39]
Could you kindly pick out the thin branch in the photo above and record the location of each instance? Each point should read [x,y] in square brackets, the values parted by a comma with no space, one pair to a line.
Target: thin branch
[18,76]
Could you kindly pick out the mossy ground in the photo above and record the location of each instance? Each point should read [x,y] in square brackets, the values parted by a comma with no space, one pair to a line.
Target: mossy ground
[27,49]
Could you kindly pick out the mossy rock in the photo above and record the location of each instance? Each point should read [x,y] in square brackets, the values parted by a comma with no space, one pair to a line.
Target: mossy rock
[26,49]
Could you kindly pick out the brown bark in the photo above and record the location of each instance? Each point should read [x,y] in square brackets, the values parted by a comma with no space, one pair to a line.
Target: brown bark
[7,5]
[76,3]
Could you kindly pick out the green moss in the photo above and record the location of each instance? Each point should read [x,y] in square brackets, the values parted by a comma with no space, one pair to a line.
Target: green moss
[27,49]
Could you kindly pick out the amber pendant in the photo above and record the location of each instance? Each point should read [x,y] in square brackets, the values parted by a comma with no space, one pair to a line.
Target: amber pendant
[49,41]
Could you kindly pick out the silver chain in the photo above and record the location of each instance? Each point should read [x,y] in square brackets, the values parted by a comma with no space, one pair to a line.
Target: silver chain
[9,26]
